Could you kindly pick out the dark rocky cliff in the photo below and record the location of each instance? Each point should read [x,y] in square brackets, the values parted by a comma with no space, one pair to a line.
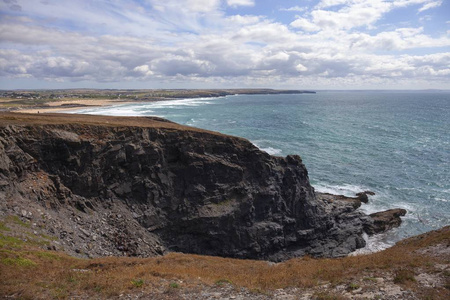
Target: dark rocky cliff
[144,186]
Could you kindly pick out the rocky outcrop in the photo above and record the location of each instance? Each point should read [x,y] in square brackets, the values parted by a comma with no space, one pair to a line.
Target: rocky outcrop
[355,202]
[364,196]
[384,220]
[144,186]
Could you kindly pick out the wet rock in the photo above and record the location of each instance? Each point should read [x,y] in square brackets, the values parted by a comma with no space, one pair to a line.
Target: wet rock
[363,196]
[385,220]
[355,202]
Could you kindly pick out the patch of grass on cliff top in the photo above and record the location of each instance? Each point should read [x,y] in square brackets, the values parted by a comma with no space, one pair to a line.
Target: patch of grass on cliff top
[11,118]
[57,275]
[18,221]
[3,227]
[10,242]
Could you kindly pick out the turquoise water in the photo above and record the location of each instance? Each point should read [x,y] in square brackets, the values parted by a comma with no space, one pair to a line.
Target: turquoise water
[396,144]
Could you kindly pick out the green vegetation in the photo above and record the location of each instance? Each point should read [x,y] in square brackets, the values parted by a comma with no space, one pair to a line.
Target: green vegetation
[353,286]
[18,221]
[47,237]
[222,281]
[19,261]
[47,255]
[370,279]
[403,276]
[43,98]
[34,273]
[10,242]
[327,296]
[3,227]
[137,282]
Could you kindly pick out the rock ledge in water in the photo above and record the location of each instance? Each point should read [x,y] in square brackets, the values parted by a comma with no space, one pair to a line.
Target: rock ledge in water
[384,221]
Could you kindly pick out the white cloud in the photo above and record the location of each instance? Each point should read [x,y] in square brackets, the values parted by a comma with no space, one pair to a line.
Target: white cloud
[243,20]
[196,42]
[144,70]
[355,15]
[281,56]
[196,6]
[295,8]
[399,39]
[201,5]
[331,3]
[265,33]
[301,68]
[305,25]
[236,3]
[430,5]
[349,14]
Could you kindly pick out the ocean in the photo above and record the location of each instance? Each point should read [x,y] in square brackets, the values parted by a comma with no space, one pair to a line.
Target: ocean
[396,144]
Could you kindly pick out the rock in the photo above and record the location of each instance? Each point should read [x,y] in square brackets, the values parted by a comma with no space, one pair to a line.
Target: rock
[363,196]
[383,221]
[355,202]
[379,280]
[85,232]
[177,188]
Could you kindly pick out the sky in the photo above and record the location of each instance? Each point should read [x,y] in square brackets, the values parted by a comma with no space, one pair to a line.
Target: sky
[310,44]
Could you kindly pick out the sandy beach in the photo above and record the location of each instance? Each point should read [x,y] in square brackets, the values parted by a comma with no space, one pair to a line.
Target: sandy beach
[72,104]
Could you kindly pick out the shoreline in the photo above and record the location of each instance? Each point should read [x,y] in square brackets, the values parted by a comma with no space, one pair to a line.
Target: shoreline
[34,101]
[70,105]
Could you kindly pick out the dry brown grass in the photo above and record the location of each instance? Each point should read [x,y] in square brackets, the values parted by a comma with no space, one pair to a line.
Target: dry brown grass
[56,275]
[11,118]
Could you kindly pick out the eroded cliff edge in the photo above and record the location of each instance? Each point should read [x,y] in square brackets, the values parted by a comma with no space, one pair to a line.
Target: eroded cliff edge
[144,186]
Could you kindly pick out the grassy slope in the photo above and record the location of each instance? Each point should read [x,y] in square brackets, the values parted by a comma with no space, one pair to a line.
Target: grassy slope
[11,118]
[27,271]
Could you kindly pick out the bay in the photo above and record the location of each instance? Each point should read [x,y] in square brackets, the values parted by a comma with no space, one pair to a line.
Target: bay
[396,144]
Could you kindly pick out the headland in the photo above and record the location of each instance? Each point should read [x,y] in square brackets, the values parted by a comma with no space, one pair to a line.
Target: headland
[97,186]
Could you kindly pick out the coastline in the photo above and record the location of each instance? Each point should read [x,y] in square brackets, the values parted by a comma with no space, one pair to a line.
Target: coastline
[34,233]
[329,204]
[415,221]
[71,105]
[34,101]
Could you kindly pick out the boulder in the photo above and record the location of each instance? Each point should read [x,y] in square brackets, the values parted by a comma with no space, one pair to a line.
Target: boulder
[384,220]
[363,196]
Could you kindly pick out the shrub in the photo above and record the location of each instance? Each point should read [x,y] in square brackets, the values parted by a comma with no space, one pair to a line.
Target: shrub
[327,296]
[4,227]
[19,261]
[137,282]
[18,221]
[404,275]
[353,286]
[223,281]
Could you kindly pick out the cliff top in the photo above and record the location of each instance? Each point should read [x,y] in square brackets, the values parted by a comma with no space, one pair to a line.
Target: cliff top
[10,118]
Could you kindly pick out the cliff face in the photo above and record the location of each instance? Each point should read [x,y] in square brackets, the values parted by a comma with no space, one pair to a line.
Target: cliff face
[106,188]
